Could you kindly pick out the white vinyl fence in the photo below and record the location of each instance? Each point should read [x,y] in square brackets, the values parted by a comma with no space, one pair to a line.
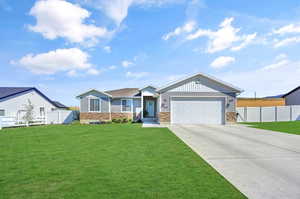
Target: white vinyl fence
[268,114]
[53,117]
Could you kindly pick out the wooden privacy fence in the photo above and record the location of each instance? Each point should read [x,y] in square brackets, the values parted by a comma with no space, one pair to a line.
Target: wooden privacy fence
[268,114]
[53,117]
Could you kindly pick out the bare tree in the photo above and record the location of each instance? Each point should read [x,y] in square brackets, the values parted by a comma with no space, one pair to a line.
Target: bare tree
[28,117]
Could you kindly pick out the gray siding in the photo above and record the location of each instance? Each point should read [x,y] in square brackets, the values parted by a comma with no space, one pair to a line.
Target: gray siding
[116,106]
[199,84]
[230,100]
[104,102]
[84,105]
[293,98]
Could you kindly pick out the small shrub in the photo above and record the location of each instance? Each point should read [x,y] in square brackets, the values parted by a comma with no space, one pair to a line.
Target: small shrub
[124,120]
[119,120]
[130,120]
[114,120]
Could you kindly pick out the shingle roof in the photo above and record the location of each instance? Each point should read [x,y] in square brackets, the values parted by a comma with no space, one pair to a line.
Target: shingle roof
[124,92]
[11,91]
[59,105]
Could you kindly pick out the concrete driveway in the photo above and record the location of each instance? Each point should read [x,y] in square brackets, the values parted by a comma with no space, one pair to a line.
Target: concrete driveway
[261,164]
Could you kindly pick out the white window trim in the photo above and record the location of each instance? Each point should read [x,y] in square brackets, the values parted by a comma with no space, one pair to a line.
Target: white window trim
[131,110]
[44,111]
[89,104]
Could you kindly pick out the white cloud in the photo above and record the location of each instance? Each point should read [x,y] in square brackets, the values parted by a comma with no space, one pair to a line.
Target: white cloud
[281,57]
[247,40]
[72,73]
[222,61]
[186,28]
[291,28]
[59,18]
[286,42]
[126,63]
[136,75]
[279,64]
[225,37]
[56,61]
[93,71]
[107,49]
[113,67]
[117,10]
[274,81]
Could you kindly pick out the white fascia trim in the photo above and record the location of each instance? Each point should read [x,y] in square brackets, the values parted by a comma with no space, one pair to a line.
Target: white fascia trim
[204,75]
[102,92]
[149,86]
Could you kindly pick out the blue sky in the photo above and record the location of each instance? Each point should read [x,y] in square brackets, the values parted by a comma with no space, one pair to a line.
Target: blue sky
[64,47]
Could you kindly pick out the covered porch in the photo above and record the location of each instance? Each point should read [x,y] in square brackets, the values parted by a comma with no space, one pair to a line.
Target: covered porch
[150,104]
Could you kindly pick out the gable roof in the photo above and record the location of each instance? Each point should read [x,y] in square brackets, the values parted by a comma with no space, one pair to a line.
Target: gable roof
[124,92]
[104,93]
[59,105]
[295,89]
[228,85]
[149,86]
[6,92]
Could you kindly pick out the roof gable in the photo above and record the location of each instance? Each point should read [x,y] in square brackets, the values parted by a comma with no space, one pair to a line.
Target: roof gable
[200,82]
[6,92]
[94,90]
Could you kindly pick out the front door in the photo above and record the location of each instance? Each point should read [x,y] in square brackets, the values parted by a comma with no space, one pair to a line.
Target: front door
[150,108]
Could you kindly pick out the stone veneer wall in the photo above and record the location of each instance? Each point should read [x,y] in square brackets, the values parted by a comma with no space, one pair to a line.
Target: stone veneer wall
[164,117]
[231,117]
[89,117]
[121,115]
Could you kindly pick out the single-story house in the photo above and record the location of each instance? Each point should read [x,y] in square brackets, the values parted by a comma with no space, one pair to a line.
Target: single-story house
[256,102]
[196,99]
[292,97]
[13,102]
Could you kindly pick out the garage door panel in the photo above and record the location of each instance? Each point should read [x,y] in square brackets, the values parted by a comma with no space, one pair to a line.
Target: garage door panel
[197,110]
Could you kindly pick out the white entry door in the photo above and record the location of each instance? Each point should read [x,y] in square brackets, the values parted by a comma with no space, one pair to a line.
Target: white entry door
[197,110]
[150,108]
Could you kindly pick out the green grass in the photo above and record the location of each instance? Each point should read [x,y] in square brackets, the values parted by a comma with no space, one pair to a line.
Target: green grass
[104,161]
[285,127]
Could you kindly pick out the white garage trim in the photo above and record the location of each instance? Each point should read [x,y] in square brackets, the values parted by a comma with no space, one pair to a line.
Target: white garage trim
[221,98]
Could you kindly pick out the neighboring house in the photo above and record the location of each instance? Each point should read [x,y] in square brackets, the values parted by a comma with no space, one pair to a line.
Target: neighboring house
[256,102]
[13,101]
[292,97]
[197,99]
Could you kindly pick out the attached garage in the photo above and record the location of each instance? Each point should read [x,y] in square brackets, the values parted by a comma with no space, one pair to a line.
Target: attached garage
[198,99]
[197,110]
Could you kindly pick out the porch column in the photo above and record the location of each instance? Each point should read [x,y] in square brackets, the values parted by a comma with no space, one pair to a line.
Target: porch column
[142,106]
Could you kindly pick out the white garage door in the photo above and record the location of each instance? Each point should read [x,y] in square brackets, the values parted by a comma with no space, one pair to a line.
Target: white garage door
[200,110]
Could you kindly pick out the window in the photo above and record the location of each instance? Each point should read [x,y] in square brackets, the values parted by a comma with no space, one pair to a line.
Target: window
[2,112]
[94,105]
[126,105]
[42,111]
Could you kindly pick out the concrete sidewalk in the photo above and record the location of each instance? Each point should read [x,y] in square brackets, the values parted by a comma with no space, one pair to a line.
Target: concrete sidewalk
[261,164]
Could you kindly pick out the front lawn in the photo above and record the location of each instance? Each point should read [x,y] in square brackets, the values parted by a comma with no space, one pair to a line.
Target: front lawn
[285,127]
[104,161]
